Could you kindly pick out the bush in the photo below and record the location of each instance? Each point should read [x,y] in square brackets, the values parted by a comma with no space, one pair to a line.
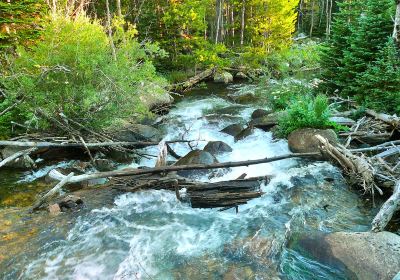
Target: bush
[72,71]
[306,113]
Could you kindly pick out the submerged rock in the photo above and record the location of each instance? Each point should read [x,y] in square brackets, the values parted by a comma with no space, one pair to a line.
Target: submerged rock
[303,140]
[268,121]
[360,255]
[217,147]
[223,77]
[233,129]
[197,157]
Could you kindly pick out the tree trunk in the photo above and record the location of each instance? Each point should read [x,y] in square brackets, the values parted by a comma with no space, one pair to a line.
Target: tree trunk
[218,25]
[242,22]
[396,30]
[110,31]
[312,18]
[119,10]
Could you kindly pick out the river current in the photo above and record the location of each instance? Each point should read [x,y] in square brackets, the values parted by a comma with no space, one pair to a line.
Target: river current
[151,235]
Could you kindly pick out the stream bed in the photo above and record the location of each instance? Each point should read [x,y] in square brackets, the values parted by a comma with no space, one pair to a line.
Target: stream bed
[151,235]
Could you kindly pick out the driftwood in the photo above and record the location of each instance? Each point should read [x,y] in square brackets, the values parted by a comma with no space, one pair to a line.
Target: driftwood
[391,120]
[138,144]
[52,192]
[165,169]
[200,194]
[193,80]
[15,156]
[387,210]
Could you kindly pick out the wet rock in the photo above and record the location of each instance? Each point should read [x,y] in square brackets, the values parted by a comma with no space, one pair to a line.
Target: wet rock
[54,209]
[244,133]
[103,164]
[304,141]
[223,77]
[120,157]
[197,157]
[137,132]
[233,129]
[268,121]
[217,147]
[239,272]
[70,202]
[257,250]
[241,75]
[245,97]
[360,255]
[24,162]
[260,113]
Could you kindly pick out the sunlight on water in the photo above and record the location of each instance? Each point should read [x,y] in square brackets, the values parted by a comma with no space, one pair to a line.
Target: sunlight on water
[151,235]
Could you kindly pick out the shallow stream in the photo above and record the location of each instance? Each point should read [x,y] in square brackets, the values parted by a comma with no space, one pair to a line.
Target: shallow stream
[151,235]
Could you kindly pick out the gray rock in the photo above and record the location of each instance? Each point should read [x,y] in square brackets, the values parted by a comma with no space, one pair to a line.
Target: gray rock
[303,140]
[260,113]
[233,129]
[244,97]
[23,162]
[197,157]
[223,77]
[217,147]
[103,164]
[361,255]
[244,133]
[137,132]
[268,121]
[241,75]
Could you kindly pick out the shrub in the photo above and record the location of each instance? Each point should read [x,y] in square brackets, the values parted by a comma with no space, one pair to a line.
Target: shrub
[306,113]
[72,71]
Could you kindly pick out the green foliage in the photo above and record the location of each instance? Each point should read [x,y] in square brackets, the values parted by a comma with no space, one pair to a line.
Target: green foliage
[380,83]
[308,112]
[72,71]
[20,21]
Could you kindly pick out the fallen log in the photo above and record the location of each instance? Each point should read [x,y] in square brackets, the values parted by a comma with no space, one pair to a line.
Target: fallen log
[165,169]
[391,120]
[52,192]
[193,80]
[16,156]
[139,144]
[387,210]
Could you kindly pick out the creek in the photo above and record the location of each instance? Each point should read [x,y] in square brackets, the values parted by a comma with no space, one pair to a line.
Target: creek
[151,235]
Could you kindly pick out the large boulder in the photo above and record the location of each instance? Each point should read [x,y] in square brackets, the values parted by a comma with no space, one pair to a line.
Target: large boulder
[223,77]
[197,157]
[304,141]
[268,121]
[233,129]
[217,147]
[360,255]
[243,97]
[137,132]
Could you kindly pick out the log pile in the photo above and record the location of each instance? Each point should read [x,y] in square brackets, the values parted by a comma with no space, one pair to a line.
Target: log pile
[225,194]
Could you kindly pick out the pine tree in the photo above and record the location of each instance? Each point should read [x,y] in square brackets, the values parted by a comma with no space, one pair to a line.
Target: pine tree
[367,39]
[333,51]
[380,83]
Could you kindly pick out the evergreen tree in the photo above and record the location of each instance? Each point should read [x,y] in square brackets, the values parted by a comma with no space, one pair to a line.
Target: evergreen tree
[367,38]
[333,51]
[380,83]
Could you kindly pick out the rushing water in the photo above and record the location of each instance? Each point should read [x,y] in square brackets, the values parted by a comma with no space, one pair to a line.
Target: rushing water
[151,235]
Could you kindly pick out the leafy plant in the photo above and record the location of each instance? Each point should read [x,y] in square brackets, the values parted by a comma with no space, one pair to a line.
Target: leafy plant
[306,113]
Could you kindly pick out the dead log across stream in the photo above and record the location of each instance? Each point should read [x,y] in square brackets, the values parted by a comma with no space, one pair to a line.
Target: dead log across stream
[200,194]
[193,80]
[165,169]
